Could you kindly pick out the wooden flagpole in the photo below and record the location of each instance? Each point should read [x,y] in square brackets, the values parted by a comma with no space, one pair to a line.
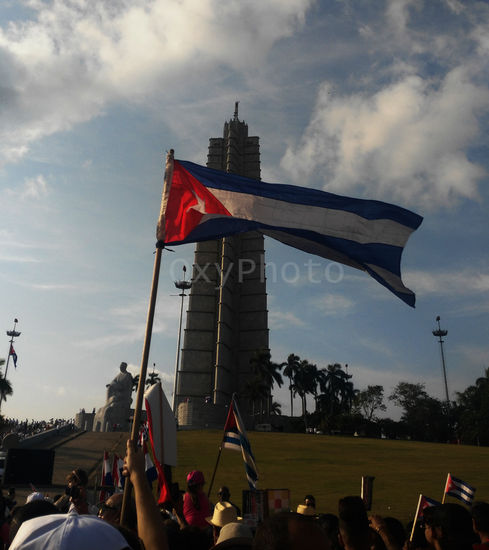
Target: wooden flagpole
[147,340]
[445,489]
[415,518]
[220,451]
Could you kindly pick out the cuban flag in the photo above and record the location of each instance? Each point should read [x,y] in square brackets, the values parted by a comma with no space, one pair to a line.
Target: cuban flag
[423,503]
[117,467]
[426,502]
[107,480]
[235,438]
[459,489]
[13,355]
[200,204]
[154,471]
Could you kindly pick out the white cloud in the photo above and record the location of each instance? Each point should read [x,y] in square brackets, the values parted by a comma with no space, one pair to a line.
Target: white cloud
[35,188]
[283,319]
[67,63]
[334,304]
[406,142]
[455,283]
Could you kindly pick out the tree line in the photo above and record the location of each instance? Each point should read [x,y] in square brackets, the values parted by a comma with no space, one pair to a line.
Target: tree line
[339,407]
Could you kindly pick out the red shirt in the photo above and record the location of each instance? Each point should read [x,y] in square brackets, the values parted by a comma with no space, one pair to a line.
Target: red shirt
[193,515]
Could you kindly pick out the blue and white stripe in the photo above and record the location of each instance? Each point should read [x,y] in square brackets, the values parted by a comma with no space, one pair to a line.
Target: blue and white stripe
[236,439]
[461,490]
[365,234]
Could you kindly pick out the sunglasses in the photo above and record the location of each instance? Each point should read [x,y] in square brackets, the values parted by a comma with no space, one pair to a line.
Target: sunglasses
[103,507]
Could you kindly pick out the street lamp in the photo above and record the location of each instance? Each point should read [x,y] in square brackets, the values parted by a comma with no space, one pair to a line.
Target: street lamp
[13,334]
[439,334]
[182,285]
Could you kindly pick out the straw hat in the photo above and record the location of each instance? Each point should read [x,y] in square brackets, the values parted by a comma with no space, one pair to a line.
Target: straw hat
[224,512]
[234,534]
[306,510]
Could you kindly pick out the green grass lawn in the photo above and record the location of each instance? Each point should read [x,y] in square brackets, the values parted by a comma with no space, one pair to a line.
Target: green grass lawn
[331,467]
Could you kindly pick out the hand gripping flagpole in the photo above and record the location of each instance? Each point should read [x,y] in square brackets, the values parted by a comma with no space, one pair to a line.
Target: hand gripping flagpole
[149,325]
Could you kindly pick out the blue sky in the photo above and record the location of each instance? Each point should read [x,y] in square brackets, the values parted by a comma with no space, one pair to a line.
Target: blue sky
[381,100]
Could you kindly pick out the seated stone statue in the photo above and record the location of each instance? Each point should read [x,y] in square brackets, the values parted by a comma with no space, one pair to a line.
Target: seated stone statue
[120,389]
[114,415]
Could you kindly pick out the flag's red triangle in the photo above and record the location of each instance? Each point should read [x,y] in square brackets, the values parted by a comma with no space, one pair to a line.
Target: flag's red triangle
[188,202]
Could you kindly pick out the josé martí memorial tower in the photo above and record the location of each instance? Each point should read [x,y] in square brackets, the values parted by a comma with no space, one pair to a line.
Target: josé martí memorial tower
[227,317]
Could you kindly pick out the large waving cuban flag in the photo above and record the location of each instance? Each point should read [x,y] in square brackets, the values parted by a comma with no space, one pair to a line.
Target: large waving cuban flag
[201,204]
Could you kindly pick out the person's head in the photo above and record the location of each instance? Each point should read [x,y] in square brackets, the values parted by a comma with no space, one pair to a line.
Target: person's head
[480,517]
[110,509]
[396,530]
[329,524]
[353,522]
[68,532]
[123,366]
[33,509]
[224,513]
[224,493]
[448,527]
[309,500]
[290,531]
[76,484]
[234,536]
[195,480]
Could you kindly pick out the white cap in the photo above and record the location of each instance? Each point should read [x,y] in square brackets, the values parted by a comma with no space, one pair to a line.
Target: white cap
[34,496]
[68,532]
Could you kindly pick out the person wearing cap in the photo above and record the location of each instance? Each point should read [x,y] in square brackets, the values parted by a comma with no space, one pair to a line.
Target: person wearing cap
[308,507]
[224,513]
[68,532]
[225,496]
[234,536]
[196,505]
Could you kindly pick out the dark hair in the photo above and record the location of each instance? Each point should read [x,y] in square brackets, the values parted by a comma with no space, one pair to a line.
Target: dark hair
[224,493]
[311,498]
[480,515]
[353,520]
[193,491]
[396,530]
[273,533]
[330,524]
[78,477]
[455,523]
[284,530]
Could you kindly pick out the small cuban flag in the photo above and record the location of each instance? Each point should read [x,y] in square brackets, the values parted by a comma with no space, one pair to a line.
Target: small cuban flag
[457,488]
[13,355]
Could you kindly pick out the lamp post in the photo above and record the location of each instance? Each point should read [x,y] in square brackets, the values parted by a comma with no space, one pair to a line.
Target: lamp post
[439,334]
[182,285]
[13,334]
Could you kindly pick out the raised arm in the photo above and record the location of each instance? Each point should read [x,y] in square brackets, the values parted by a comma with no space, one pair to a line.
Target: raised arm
[150,525]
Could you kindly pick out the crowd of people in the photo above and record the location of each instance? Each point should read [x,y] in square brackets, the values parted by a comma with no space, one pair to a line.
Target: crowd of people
[27,428]
[133,521]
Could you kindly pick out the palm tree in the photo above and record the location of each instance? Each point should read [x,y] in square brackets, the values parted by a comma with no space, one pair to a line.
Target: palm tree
[335,385]
[255,390]
[304,383]
[5,385]
[263,367]
[290,369]
[276,408]
[153,378]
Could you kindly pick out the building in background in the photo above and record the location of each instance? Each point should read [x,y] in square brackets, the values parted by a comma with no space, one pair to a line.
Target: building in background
[227,318]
